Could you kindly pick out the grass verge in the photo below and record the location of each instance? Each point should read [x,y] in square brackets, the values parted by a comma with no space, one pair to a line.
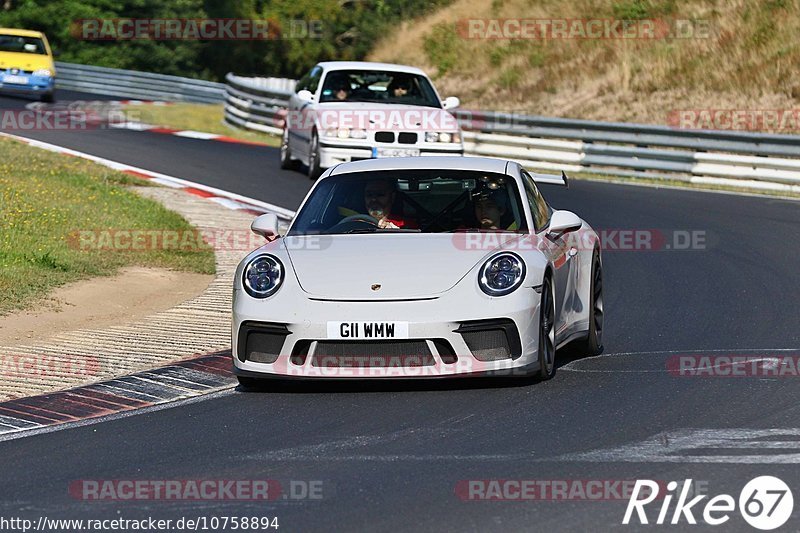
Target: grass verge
[197,117]
[46,197]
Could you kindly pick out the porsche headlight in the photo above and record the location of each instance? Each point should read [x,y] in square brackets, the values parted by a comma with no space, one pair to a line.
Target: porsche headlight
[502,274]
[42,72]
[443,137]
[263,276]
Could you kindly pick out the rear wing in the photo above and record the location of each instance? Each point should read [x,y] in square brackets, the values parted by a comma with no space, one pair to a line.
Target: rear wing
[551,179]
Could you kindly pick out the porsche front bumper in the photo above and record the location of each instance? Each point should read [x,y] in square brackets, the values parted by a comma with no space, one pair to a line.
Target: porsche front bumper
[443,341]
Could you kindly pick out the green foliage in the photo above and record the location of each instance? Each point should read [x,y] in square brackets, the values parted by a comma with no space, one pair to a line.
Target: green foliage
[311,31]
[441,46]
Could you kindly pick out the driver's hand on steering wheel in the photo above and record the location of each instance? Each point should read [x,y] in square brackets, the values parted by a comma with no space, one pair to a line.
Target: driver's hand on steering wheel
[385,223]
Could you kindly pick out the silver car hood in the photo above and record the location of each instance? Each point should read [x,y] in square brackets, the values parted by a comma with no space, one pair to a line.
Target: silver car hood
[405,266]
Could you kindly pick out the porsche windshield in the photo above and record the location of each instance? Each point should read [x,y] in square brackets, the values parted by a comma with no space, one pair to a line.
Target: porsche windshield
[378,86]
[420,201]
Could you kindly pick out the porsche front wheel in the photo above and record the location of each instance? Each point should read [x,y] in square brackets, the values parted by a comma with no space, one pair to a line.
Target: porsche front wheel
[547,332]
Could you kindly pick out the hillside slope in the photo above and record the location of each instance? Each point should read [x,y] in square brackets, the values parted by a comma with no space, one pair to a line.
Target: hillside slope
[741,55]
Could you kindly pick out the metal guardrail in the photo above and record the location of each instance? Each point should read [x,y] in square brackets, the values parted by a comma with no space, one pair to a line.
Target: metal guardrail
[257,103]
[752,160]
[138,85]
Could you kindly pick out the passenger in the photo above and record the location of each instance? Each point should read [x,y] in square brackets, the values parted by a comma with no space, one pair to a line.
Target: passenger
[399,87]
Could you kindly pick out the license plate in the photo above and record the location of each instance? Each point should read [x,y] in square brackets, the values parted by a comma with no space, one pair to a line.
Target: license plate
[367,330]
[395,152]
[18,80]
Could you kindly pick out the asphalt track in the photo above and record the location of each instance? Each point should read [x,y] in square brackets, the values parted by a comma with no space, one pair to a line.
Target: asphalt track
[390,456]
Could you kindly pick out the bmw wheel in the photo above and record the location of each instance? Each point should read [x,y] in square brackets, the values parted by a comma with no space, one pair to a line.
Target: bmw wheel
[314,170]
[287,161]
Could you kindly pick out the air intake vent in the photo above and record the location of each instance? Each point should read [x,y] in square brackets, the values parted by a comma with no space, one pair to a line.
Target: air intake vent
[384,136]
[491,340]
[372,354]
[261,342]
[407,138]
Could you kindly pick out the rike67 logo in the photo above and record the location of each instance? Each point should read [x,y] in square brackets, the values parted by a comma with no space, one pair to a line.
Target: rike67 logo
[765,503]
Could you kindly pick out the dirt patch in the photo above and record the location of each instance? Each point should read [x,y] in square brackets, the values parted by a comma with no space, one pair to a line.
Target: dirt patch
[135,292]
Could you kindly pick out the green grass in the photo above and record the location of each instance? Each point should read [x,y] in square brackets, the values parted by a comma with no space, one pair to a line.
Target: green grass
[197,117]
[45,198]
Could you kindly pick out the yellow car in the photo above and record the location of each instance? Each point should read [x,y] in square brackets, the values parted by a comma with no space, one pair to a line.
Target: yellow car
[26,64]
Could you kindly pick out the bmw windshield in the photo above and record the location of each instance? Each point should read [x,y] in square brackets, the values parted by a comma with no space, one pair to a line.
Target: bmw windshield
[421,201]
[378,87]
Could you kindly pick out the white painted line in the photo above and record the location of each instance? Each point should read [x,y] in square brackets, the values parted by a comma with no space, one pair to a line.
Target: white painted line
[136,126]
[702,446]
[196,135]
[164,179]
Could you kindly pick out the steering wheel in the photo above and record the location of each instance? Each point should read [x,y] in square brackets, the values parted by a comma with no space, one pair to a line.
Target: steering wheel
[360,218]
[364,219]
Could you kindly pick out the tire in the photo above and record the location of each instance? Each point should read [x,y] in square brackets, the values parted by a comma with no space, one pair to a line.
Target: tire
[287,162]
[314,170]
[593,344]
[547,332]
[48,98]
[248,383]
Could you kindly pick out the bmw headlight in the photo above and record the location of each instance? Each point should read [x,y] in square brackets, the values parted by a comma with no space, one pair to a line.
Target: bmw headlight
[263,276]
[442,137]
[42,72]
[502,274]
[346,133]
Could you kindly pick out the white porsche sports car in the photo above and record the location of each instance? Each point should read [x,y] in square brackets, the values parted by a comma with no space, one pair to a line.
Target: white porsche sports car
[418,267]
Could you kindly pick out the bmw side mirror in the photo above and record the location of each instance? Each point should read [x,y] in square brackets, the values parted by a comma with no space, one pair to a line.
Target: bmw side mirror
[451,102]
[266,225]
[305,95]
[562,222]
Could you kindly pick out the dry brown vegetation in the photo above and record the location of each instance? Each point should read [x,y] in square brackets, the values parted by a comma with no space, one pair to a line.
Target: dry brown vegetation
[750,59]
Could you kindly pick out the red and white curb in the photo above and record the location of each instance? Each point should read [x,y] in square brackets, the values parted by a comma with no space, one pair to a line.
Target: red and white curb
[224,198]
[190,134]
[179,381]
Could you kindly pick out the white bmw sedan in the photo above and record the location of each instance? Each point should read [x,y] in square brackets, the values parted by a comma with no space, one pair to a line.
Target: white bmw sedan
[344,111]
[418,267]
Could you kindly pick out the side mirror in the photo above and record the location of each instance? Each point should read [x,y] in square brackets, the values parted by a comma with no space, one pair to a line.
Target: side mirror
[56,53]
[266,225]
[564,222]
[451,102]
[305,95]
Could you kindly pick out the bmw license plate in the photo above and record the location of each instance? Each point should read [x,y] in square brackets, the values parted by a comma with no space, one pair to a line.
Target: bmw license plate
[17,80]
[367,330]
[395,152]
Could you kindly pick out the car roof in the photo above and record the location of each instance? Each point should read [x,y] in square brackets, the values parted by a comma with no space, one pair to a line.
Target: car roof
[480,164]
[368,65]
[21,33]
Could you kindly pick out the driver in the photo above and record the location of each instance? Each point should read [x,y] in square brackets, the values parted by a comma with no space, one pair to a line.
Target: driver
[379,197]
[490,206]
